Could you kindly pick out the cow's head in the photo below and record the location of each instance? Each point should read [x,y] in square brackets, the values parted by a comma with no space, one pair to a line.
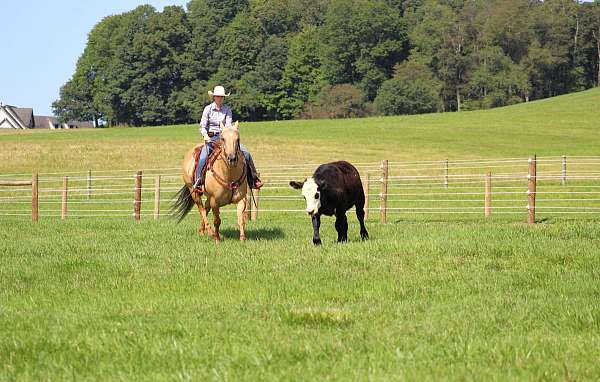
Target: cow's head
[311,192]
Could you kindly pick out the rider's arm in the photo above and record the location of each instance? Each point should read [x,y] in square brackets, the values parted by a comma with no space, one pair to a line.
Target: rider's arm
[204,123]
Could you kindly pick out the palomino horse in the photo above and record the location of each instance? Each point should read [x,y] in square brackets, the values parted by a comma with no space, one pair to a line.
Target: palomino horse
[225,183]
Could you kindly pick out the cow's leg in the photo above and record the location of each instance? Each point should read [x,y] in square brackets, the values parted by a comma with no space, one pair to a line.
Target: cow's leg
[217,223]
[341,226]
[241,219]
[360,214]
[316,221]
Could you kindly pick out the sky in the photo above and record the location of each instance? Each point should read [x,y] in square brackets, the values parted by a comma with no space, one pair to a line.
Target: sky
[41,40]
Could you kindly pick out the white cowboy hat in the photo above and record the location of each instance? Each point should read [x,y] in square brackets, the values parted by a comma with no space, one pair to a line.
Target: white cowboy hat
[218,91]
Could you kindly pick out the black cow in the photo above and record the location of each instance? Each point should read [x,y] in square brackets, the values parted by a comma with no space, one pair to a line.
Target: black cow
[332,190]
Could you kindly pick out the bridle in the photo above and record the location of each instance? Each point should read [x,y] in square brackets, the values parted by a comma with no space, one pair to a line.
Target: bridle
[231,186]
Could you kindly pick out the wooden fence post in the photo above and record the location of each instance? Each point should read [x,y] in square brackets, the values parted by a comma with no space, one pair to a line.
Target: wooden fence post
[488,194]
[446,174]
[366,190]
[531,190]
[89,184]
[157,197]
[384,191]
[34,197]
[563,179]
[63,208]
[137,198]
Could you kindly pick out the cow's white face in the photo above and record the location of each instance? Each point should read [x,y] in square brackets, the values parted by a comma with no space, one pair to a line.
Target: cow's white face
[311,193]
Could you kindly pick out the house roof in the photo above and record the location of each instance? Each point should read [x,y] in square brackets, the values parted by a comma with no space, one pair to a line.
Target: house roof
[11,113]
[41,121]
[23,117]
[81,124]
[25,114]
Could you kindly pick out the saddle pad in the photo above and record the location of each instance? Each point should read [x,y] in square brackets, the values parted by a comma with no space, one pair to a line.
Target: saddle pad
[211,158]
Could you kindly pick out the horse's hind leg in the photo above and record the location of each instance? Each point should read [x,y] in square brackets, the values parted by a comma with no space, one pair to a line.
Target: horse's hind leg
[241,218]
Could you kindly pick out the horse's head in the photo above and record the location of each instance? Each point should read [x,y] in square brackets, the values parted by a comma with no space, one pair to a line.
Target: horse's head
[230,139]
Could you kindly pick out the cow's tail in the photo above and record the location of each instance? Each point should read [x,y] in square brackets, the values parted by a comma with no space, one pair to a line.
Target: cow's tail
[182,203]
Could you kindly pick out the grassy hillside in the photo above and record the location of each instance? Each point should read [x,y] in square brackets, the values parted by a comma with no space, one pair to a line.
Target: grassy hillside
[567,124]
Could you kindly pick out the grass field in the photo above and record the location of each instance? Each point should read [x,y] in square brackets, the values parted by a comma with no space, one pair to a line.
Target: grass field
[110,299]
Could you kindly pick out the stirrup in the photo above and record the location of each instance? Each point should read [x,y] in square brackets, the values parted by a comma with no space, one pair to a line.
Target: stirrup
[198,186]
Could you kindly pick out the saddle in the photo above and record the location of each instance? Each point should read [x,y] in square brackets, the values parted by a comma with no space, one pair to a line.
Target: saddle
[216,151]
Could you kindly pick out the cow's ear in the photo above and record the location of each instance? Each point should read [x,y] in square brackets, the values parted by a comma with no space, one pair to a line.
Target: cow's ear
[296,185]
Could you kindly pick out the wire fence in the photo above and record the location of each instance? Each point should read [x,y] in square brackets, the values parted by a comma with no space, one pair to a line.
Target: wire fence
[498,188]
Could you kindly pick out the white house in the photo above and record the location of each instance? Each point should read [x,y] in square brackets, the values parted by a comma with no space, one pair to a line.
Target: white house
[12,117]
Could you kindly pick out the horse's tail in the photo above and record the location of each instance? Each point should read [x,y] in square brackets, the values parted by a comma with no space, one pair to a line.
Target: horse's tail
[183,205]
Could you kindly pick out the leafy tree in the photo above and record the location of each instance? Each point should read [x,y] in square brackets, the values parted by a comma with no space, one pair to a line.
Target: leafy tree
[359,48]
[441,40]
[496,80]
[412,90]
[286,58]
[302,77]
[241,42]
[256,92]
[278,17]
[338,101]
[156,56]
[590,49]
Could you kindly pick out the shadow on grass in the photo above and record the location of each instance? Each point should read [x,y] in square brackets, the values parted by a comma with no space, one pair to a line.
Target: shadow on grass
[254,234]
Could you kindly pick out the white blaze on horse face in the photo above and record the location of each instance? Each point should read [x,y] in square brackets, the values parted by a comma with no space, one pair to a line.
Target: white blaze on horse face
[230,138]
[312,195]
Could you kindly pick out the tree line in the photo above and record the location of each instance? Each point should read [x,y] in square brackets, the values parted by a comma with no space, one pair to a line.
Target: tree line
[284,59]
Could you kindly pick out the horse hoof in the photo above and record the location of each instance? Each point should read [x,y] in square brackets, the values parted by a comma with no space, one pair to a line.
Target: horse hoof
[242,238]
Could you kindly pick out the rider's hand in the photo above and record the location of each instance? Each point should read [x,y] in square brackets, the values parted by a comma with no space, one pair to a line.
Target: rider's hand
[206,138]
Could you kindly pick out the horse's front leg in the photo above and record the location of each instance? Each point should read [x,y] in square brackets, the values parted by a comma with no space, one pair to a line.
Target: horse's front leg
[241,218]
[198,201]
[217,223]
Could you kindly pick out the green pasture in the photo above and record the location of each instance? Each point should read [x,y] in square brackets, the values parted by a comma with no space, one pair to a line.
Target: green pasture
[563,125]
[425,298]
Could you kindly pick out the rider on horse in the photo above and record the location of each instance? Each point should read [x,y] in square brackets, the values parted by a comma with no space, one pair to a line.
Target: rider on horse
[210,128]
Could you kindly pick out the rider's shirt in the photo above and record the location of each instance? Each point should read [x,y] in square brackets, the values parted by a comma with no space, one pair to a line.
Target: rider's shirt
[212,116]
